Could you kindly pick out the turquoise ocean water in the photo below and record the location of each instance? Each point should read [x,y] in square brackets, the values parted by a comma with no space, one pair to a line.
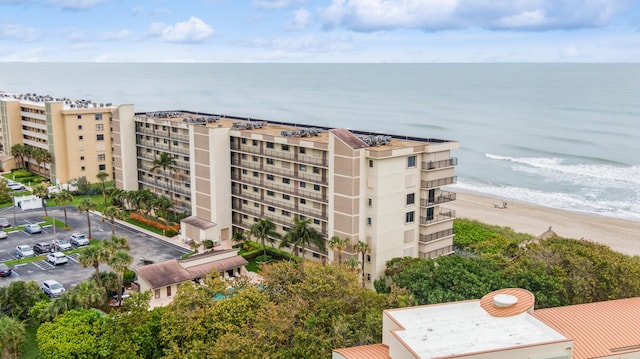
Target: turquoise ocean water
[561,135]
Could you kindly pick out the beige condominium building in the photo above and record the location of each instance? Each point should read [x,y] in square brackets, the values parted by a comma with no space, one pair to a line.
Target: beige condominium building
[75,132]
[380,189]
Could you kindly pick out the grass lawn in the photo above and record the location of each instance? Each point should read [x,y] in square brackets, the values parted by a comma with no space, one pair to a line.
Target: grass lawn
[30,347]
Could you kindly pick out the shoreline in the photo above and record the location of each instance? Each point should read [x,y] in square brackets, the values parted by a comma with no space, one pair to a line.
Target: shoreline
[620,235]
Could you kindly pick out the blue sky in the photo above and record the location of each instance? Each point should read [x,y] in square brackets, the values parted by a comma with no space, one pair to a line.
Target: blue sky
[320,30]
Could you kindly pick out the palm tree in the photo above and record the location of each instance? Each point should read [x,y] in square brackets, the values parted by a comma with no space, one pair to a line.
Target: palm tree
[12,334]
[42,157]
[166,162]
[263,230]
[87,294]
[18,152]
[62,198]
[339,244]
[161,206]
[92,256]
[102,177]
[87,205]
[115,243]
[120,262]
[41,191]
[113,212]
[364,248]
[302,235]
[26,154]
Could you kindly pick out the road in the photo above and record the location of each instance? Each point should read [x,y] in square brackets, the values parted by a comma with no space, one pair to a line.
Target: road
[143,246]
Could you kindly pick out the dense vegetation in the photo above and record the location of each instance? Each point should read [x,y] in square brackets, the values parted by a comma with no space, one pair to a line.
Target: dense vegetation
[559,271]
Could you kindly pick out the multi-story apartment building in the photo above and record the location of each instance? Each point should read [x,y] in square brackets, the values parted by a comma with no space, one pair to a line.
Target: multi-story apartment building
[75,133]
[380,189]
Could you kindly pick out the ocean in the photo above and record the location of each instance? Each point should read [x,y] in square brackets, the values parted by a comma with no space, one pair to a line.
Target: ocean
[560,135]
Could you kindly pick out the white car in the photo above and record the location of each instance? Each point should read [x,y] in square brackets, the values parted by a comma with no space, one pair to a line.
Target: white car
[24,251]
[79,240]
[52,288]
[56,258]
[61,244]
[3,234]
[16,186]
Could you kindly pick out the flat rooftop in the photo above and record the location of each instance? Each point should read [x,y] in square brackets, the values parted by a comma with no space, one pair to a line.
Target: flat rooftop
[302,132]
[463,328]
[40,100]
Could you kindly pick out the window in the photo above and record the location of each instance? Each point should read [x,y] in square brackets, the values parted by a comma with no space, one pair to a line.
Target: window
[243,156]
[270,161]
[316,170]
[316,221]
[368,258]
[81,138]
[102,157]
[255,158]
[244,201]
[255,174]
[79,117]
[175,143]
[302,150]
[411,198]
[186,158]
[243,141]
[269,144]
[156,293]
[244,171]
[81,158]
[369,221]
[316,187]
[303,184]
[79,127]
[286,181]
[370,202]
[271,209]
[286,197]
[256,189]
[285,147]
[174,129]
[371,163]
[82,168]
[270,193]
[303,168]
[98,116]
[411,161]
[286,213]
[244,186]
[409,217]
[102,167]
[270,177]
[99,127]
[100,137]
[303,201]
[168,291]
[254,142]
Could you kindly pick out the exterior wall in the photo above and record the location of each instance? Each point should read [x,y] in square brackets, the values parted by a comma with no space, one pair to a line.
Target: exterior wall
[125,172]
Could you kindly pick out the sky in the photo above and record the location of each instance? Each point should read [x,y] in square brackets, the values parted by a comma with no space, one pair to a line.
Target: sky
[315,31]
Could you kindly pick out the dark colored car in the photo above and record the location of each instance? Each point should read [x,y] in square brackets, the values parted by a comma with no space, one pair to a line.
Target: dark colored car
[5,223]
[5,271]
[42,247]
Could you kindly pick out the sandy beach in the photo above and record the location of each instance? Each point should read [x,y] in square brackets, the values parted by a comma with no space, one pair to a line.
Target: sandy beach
[621,235]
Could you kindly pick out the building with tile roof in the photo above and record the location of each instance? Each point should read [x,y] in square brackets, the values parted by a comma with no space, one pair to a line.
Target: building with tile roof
[504,324]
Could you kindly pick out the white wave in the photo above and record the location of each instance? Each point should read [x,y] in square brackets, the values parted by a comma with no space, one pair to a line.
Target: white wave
[555,169]
[586,203]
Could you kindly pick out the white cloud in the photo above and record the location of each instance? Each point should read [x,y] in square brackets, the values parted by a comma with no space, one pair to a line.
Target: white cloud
[115,35]
[301,18]
[17,32]
[63,4]
[376,15]
[190,31]
[310,43]
[276,4]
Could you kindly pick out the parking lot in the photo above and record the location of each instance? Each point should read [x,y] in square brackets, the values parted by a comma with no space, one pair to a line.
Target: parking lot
[144,247]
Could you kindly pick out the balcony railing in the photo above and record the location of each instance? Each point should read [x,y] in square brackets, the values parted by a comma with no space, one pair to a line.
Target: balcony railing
[443,197]
[165,186]
[433,165]
[426,238]
[444,215]
[439,182]
[164,134]
[318,196]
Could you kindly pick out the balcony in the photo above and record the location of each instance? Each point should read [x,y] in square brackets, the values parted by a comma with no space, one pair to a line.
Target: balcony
[434,165]
[315,195]
[439,182]
[426,238]
[444,215]
[163,134]
[443,197]
[165,186]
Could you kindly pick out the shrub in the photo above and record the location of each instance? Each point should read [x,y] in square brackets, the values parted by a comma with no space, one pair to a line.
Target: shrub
[170,231]
[129,277]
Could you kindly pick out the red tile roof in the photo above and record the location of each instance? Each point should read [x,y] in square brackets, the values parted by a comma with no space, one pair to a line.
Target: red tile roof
[599,329]
[373,351]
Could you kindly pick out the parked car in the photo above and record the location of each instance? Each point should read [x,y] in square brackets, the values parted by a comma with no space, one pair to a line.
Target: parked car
[52,288]
[16,186]
[79,240]
[4,223]
[56,258]
[24,251]
[33,228]
[5,271]
[42,247]
[3,234]
[61,245]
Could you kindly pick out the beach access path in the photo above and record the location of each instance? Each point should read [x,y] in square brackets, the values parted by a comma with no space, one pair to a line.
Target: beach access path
[620,235]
